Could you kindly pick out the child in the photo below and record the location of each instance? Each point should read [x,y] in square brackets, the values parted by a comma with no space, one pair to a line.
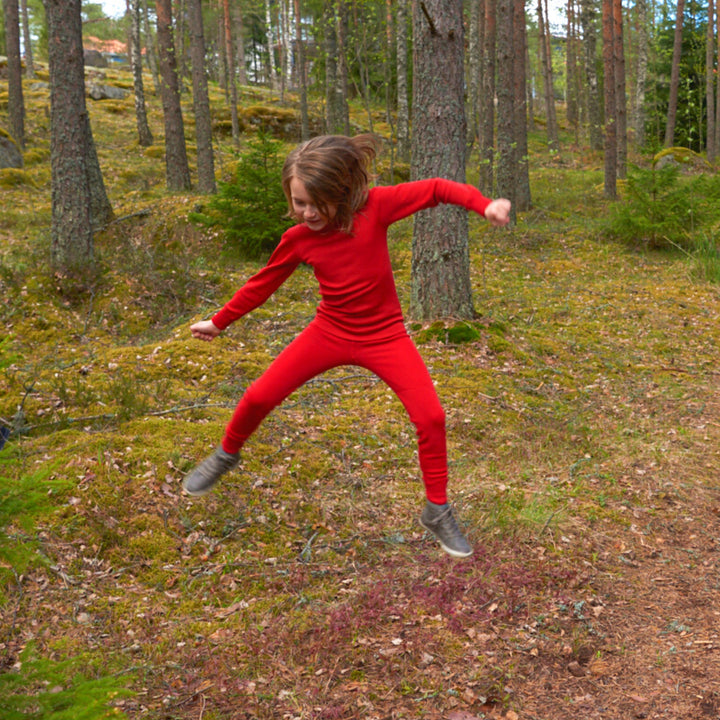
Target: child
[342,234]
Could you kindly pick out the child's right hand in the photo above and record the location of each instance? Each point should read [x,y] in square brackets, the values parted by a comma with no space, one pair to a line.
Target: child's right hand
[205,330]
[497,213]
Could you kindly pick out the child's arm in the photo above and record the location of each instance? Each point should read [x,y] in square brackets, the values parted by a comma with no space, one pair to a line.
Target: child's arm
[205,330]
[498,212]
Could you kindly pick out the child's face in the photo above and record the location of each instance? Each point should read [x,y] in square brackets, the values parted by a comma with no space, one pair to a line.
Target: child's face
[305,209]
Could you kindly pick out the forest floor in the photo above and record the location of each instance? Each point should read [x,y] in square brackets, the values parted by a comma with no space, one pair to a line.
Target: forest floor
[583,432]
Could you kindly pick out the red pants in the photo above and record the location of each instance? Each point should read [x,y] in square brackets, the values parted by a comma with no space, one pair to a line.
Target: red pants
[396,362]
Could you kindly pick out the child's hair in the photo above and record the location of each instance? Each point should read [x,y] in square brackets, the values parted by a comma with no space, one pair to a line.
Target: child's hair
[335,170]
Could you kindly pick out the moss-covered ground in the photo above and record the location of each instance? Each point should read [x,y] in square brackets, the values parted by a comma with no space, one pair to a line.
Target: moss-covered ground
[583,425]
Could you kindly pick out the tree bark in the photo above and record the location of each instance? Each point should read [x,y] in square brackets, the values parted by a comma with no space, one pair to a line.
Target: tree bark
[145,138]
[401,71]
[272,43]
[230,65]
[594,115]
[549,85]
[176,162]
[675,76]
[16,103]
[610,101]
[486,140]
[440,256]
[301,74]
[27,42]
[79,202]
[641,68]
[201,100]
[709,83]
[239,44]
[332,115]
[620,92]
[150,52]
[572,111]
[521,172]
[474,78]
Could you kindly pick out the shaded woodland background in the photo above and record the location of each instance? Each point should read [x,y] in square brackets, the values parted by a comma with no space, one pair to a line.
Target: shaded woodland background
[581,398]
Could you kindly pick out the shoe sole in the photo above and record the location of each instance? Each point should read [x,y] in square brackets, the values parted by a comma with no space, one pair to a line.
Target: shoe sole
[448,550]
[197,493]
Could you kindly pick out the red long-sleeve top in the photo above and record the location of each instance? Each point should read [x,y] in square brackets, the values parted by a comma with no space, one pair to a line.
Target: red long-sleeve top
[359,300]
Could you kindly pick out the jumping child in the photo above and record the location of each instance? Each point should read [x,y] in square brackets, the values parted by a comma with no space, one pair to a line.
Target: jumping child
[342,234]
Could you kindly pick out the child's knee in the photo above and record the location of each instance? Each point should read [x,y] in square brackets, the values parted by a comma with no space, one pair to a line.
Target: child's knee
[431,420]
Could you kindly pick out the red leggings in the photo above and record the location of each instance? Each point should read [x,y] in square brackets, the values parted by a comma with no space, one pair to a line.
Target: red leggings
[396,362]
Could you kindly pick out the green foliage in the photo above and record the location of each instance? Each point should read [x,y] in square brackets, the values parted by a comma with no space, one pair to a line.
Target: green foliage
[706,259]
[41,688]
[22,500]
[690,126]
[663,209]
[251,209]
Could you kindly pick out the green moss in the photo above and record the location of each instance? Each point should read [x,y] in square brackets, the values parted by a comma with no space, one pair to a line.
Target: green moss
[13,177]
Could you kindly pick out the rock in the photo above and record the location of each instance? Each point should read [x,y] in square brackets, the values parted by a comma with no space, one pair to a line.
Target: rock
[10,155]
[95,58]
[106,92]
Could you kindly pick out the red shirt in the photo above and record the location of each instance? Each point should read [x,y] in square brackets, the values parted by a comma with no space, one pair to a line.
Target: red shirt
[359,300]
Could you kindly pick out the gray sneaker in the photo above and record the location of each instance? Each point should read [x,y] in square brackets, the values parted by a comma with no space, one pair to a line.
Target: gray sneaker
[203,477]
[439,520]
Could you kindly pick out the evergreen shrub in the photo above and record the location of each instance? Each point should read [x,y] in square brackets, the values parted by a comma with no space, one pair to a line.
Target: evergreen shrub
[251,210]
[662,208]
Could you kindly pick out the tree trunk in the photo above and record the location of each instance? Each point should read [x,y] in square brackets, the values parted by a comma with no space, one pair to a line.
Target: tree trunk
[301,74]
[240,44]
[343,82]
[145,138]
[571,96]
[610,101]
[440,256]
[272,43]
[79,201]
[717,84]
[230,65]
[332,115]
[176,162]
[27,42]
[201,100]
[150,52]
[593,94]
[641,71]
[521,173]
[620,93]
[709,83]
[16,104]
[401,71]
[549,85]
[486,140]
[180,43]
[674,77]
[474,78]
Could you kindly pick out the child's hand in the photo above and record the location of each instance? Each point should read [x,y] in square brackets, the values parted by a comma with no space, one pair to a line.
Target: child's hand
[205,330]
[497,213]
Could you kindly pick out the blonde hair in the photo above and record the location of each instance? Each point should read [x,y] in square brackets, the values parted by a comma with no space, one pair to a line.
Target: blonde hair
[335,170]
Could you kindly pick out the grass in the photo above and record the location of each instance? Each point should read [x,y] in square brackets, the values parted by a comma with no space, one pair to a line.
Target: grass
[304,587]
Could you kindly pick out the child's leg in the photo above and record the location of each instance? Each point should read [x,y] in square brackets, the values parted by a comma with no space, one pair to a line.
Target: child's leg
[311,353]
[400,365]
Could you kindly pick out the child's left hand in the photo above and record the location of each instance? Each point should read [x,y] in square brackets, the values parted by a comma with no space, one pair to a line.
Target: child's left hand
[205,330]
[497,213]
